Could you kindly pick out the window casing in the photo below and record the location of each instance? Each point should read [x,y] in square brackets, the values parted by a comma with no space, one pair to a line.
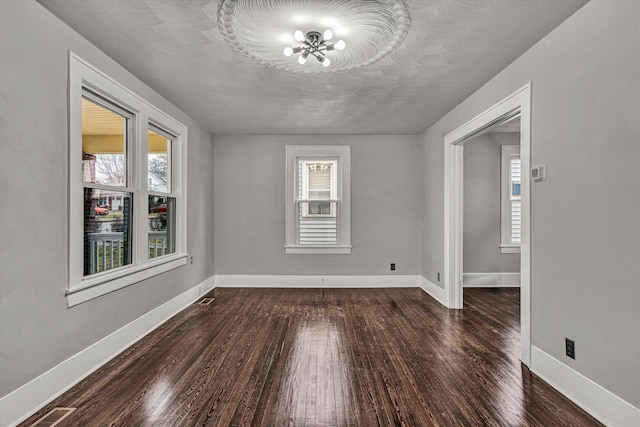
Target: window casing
[318,215]
[510,200]
[127,186]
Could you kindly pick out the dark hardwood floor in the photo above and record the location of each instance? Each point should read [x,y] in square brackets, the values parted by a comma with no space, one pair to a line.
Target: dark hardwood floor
[325,357]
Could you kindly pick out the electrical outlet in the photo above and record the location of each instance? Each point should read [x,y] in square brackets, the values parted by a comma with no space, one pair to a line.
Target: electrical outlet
[191,259]
[438,276]
[570,348]
[393,266]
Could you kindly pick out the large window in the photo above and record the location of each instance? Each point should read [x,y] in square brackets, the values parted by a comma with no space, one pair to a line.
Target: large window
[318,200]
[127,186]
[511,217]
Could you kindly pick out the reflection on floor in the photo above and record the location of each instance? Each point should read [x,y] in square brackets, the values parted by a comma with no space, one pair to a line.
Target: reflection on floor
[326,357]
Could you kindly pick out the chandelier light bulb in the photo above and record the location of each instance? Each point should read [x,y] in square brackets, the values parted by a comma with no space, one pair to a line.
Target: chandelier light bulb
[299,36]
[314,43]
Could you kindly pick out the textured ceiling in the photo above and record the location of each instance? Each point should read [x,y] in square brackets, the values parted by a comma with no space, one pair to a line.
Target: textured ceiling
[451,49]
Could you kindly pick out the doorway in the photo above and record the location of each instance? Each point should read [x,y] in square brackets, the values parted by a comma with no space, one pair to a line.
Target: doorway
[517,104]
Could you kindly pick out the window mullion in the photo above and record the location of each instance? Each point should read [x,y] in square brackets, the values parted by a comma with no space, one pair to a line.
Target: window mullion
[139,175]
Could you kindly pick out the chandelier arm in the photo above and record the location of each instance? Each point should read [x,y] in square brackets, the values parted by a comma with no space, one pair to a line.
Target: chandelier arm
[318,55]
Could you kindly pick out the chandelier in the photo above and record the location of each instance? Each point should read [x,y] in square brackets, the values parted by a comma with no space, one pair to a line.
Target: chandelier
[314,43]
[262,30]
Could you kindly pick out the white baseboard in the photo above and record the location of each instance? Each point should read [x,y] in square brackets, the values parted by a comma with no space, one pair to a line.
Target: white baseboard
[434,290]
[603,405]
[272,281]
[21,403]
[208,285]
[491,280]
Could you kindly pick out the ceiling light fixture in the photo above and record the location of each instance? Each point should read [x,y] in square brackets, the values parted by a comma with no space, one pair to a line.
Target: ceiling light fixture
[260,30]
[314,43]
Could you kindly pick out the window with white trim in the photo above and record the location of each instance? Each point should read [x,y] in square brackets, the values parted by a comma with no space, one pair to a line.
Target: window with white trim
[127,200]
[318,217]
[510,204]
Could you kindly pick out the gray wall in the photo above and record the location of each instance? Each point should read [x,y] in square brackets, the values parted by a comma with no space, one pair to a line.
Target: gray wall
[37,331]
[250,206]
[482,170]
[585,234]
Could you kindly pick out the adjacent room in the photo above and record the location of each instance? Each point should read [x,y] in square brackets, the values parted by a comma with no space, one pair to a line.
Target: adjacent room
[319,213]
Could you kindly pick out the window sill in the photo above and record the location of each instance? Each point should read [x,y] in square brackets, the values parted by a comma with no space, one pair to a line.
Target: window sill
[509,249]
[97,286]
[318,249]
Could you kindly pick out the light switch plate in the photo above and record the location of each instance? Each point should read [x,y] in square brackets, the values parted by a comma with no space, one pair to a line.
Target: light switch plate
[539,173]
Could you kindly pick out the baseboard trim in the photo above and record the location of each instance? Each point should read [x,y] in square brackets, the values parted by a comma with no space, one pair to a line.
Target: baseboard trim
[603,405]
[21,403]
[329,281]
[434,290]
[491,280]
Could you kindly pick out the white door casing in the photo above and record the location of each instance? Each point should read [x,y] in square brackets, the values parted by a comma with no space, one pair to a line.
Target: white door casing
[516,104]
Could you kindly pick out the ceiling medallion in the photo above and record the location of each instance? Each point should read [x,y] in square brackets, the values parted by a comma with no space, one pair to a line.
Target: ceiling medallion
[366,30]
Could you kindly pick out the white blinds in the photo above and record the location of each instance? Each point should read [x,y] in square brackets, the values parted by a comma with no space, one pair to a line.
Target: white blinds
[320,179]
[516,210]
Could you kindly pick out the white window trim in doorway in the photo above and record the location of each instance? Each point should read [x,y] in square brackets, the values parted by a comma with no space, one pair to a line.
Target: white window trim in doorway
[518,103]
[508,244]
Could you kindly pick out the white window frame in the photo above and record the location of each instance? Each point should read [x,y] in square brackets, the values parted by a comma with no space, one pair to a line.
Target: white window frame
[82,77]
[342,155]
[506,245]
[333,190]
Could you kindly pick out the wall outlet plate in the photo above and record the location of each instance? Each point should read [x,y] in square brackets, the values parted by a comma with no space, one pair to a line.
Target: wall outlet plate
[570,348]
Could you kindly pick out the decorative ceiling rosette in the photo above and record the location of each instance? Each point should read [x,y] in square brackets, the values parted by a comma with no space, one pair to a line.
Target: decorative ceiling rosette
[261,29]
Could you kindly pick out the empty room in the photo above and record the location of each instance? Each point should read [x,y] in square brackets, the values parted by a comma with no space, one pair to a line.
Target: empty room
[319,213]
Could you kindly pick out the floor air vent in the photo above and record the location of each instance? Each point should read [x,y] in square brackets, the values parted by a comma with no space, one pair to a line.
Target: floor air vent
[53,417]
[205,301]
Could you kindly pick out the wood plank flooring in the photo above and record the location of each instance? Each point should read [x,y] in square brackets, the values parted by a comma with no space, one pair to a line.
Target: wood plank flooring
[325,357]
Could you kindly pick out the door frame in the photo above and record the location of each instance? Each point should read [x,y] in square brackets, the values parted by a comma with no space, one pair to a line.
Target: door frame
[516,104]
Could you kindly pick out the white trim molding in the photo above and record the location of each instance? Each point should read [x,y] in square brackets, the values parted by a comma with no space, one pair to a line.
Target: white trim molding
[86,81]
[435,291]
[507,245]
[603,405]
[518,104]
[339,155]
[316,281]
[509,249]
[21,403]
[491,280]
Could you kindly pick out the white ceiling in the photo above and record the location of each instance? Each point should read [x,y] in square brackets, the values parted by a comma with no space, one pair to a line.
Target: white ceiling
[452,48]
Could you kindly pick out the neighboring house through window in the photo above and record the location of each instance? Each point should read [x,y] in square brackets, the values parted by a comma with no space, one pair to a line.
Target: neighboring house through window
[510,235]
[318,200]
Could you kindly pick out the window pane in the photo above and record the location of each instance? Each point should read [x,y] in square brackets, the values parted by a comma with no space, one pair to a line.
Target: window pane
[161,226]
[319,194]
[158,160]
[317,223]
[515,167]
[319,176]
[516,222]
[103,145]
[107,230]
